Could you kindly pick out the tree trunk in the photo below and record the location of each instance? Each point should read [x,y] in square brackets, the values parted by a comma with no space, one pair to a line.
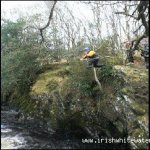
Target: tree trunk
[130,56]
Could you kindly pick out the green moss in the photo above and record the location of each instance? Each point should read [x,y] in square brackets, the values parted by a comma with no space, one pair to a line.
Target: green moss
[143,118]
[48,80]
[51,85]
[126,90]
[138,133]
[139,109]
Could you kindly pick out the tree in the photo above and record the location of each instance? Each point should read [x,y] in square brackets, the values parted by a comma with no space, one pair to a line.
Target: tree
[140,13]
[19,58]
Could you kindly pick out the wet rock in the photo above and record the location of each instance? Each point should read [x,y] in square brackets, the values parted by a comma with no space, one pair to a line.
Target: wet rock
[138,111]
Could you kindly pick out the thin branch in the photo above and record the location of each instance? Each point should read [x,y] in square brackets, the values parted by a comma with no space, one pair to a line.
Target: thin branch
[132,5]
[48,23]
[138,28]
[124,13]
[134,11]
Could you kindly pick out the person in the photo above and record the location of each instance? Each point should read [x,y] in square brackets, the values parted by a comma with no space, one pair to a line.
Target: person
[92,57]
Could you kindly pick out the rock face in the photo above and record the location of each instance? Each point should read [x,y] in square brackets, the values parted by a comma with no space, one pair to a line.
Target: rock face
[136,103]
[70,102]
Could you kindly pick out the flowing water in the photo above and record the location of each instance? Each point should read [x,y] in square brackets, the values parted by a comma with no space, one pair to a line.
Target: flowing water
[17,137]
[11,139]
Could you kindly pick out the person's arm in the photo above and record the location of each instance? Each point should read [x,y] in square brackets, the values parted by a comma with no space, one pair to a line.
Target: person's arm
[84,56]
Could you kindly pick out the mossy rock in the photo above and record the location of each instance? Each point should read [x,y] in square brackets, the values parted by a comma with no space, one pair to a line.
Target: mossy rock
[136,133]
[62,73]
[138,109]
[140,98]
[126,90]
[139,134]
[48,81]
[143,119]
[51,85]
[74,86]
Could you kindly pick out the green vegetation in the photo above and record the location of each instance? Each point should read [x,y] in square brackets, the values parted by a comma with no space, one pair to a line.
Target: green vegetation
[53,85]
[19,65]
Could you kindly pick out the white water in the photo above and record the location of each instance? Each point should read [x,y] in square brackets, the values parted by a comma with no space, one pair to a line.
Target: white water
[9,140]
[12,137]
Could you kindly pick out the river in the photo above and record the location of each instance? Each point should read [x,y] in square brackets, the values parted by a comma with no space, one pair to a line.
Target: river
[12,138]
[18,137]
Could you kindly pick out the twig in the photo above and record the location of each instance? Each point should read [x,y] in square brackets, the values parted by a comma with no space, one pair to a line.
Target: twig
[126,14]
[138,28]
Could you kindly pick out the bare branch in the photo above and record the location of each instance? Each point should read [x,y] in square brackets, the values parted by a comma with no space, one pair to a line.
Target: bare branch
[48,23]
[124,13]
[138,28]
[134,11]
[137,41]
[132,5]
